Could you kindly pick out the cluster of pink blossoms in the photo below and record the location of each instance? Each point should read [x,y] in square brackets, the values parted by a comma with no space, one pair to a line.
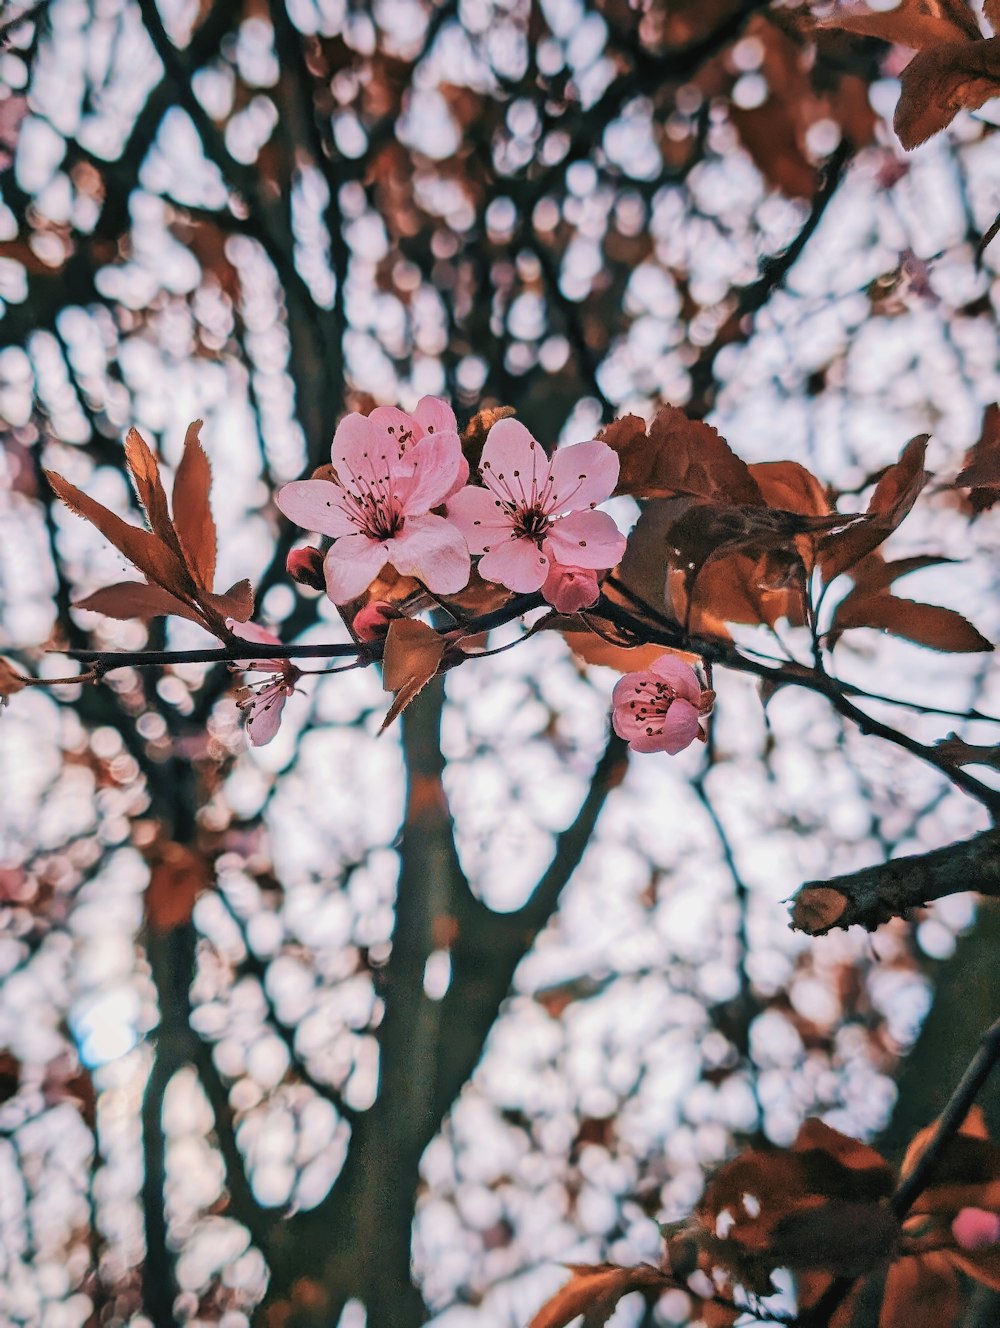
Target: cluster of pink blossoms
[532,522]
[391,469]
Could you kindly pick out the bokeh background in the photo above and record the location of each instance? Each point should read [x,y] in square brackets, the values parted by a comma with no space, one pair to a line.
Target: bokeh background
[226,1080]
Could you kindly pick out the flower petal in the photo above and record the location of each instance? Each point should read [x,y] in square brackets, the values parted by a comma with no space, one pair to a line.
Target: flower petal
[352,563]
[625,717]
[680,728]
[462,478]
[435,416]
[585,539]
[681,677]
[518,564]
[264,715]
[359,448]
[251,631]
[427,472]
[512,456]
[316,505]
[434,550]
[480,517]
[582,476]
[395,426]
[627,687]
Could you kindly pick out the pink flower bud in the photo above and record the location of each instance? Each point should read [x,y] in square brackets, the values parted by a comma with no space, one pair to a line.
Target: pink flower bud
[306,567]
[570,589]
[373,620]
[976,1229]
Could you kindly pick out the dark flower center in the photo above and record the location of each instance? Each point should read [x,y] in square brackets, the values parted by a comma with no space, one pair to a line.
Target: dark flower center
[531,523]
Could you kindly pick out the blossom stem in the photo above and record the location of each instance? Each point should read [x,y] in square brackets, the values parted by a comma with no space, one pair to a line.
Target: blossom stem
[341,668]
[103,661]
[836,692]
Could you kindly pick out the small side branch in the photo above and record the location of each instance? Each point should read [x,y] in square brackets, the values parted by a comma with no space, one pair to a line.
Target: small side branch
[869,897]
[949,1122]
[913,1185]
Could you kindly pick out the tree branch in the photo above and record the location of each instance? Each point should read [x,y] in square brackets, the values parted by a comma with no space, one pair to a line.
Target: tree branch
[873,895]
[490,945]
[241,179]
[773,270]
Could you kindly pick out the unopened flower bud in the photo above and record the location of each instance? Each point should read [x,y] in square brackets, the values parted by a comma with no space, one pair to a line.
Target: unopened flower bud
[570,589]
[306,567]
[373,620]
[976,1229]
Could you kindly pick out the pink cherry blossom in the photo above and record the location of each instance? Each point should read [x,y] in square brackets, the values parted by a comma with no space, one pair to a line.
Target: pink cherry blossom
[432,416]
[659,708]
[976,1229]
[534,512]
[378,510]
[263,702]
[570,589]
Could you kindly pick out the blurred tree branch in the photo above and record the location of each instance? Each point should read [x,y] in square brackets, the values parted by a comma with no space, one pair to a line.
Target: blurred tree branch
[749,300]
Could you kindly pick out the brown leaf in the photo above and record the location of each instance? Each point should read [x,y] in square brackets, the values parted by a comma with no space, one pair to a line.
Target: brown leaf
[790,487]
[810,1287]
[707,530]
[841,1167]
[894,495]
[236,602]
[874,573]
[136,599]
[10,680]
[837,1236]
[177,878]
[767,582]
[970,1161]
[593,649]
[981,473]
[412,655]
[920,1292]
[942,80]
[145,550]
[192,509]
[594,1291]
[817,1206]
[742,588]
[906,24]
[145,472]
[678,458]
[643,568]
[925,624]
[872,576]
[983,1265]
